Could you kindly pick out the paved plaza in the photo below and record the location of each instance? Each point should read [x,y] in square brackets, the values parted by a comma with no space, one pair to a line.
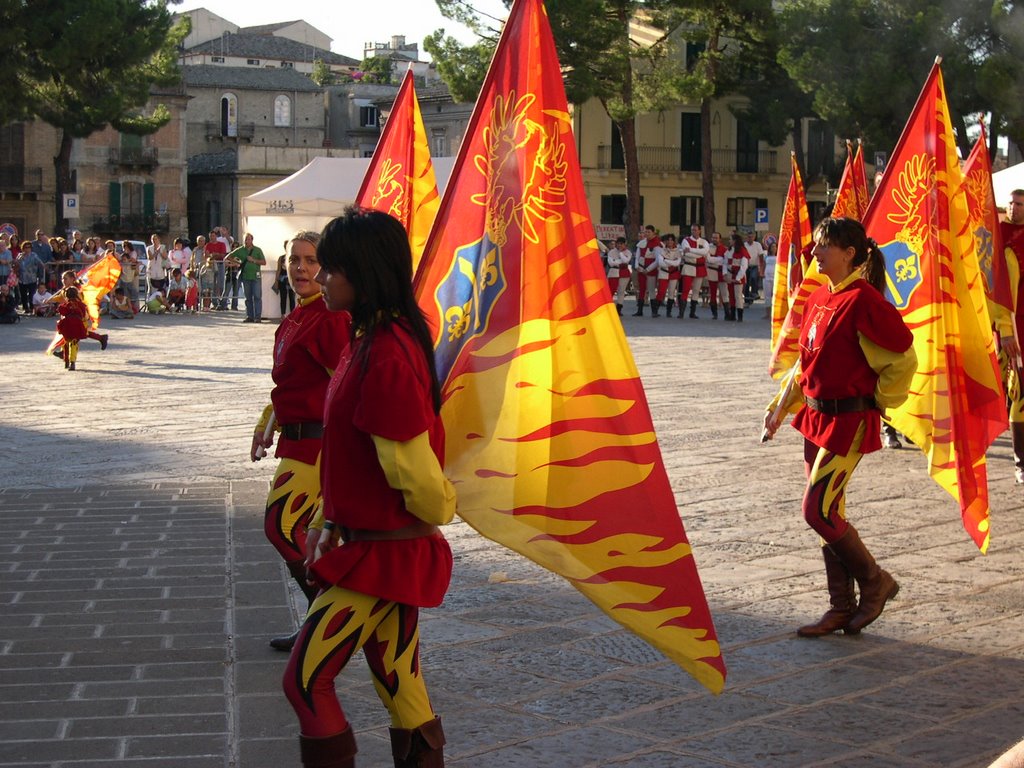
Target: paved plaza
[137,591]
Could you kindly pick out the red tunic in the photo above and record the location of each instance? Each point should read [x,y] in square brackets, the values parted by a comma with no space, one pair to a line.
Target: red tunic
[833,364]
[392,399]
[308,342]
[72,320]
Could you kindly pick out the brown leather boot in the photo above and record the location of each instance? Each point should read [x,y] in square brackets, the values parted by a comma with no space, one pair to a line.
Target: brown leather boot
[841,597]
[876,586]
[421,747]
[333,752]
[1017,438]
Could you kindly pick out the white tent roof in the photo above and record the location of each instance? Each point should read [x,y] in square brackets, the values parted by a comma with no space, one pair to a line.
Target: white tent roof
[1007,180]
[323,188]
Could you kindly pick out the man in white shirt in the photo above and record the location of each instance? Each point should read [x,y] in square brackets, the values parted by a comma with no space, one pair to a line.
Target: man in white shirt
[618,259]
[648,253]
[695,269]
[755,270]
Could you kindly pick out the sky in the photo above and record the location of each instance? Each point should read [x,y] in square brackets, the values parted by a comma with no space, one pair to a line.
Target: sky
[350,24]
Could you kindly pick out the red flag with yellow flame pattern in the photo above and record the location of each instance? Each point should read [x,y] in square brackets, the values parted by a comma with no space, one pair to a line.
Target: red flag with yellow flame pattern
[794,237]
[919,216]
[984,225]
[860,182]
[97,281]
[549,439]
[400,180]
[846,203]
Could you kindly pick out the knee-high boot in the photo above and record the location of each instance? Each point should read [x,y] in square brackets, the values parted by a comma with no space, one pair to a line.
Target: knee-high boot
[730,313]
[655,306]
[421,747]
[693,310]
[876,585]
[639,308]
[739,314]
[333,752]
[841,596]
[668,307]
[297,569]
[1017,438]
[714,311]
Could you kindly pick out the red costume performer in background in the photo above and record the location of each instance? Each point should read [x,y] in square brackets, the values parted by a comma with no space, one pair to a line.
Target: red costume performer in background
[648,252]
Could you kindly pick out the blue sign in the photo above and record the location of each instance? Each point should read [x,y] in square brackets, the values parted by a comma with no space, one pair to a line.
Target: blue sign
[760,215]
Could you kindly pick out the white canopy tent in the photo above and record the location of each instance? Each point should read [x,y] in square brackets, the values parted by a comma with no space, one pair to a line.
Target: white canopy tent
[1007,180]
[308,199]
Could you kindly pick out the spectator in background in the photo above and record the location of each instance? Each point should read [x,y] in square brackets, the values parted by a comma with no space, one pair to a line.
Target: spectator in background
[129,279]
[6,260]
[31,272]
[180,255]
[41,306]
[159,264]
[755,270]
[121,307]
[215,249]
[8,306]
[41,247]
[176,289]
[157,304]
[91,252]
[250,258]
[198,258]
[281,286]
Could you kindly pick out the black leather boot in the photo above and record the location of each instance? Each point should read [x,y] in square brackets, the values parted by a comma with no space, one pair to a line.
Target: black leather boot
[655,306]
[668,307]
[639,309]
[693,310]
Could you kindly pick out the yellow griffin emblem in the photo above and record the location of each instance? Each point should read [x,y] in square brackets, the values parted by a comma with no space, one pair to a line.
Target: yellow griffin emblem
[390,193]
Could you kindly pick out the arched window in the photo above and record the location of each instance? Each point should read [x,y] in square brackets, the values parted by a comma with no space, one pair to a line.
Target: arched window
[282,112]
[228,115]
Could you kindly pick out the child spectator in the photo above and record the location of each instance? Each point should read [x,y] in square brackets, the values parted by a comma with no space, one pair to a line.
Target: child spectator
[191,292]
[176,290]
[8,306]
[156,304]
[208,282]
[41,306]
[121,307]
[71,325]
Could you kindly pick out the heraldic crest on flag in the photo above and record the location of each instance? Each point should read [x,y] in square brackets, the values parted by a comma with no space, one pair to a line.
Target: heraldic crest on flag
[911,198]
[549,439]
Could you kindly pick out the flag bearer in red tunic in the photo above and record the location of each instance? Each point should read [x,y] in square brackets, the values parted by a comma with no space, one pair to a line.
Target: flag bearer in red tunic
[856,358]
[307,347]
[380,555]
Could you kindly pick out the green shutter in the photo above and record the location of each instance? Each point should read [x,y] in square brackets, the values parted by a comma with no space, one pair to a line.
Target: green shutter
[115,198]
[147,199]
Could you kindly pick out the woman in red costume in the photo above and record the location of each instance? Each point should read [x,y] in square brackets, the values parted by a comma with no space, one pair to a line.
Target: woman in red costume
[307,347]
[380,555]
[856,358]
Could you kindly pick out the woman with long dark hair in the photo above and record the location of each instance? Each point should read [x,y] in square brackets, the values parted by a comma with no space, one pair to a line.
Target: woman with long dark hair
[856,358]
[380,555]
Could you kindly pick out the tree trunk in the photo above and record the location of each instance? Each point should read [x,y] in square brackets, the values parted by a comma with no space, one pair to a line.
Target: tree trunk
[707,167]
[960,125]
[62,165]
[627,132]
[797,135]
[993,140]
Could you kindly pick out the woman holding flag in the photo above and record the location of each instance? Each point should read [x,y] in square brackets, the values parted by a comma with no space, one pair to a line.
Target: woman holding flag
[307,346]
[856,358]
[375,546]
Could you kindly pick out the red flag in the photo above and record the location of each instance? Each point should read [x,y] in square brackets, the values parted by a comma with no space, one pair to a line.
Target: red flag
[920,219]
[846,196]
[984,225]
[400,180]
[549,437]
[794,237]
[860,183]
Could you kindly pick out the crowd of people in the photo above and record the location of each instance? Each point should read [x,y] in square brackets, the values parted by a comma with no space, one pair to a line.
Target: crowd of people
[204,275]
[667,271]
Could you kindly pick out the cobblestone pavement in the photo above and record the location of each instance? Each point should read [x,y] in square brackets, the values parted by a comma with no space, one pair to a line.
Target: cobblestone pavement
[138,592]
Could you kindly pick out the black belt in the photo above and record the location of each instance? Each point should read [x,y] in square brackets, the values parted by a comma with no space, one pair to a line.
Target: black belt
[303,430]
[841,405]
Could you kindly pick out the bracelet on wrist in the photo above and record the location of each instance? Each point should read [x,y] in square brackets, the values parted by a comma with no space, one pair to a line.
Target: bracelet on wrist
[329,526]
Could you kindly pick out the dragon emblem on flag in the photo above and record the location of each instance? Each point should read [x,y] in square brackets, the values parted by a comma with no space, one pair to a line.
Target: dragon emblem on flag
[518,200]
[910,197]
[390,193]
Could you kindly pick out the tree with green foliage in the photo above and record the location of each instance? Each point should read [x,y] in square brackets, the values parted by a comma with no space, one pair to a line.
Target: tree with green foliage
[378,69]
[80,89]
[462,67]
[321,74]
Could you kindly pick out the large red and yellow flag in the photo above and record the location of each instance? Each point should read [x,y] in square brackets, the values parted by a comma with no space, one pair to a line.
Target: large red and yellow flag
[794,237]
[549,437]
[852,197]
[860,182]
[988,238]
[400,180]
[97,280]
[919,216]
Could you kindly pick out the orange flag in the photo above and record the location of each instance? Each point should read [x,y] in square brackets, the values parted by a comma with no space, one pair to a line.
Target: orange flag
[988,237]
[96,282]
[794,237]
[549,437]
[919,216]
[400,180]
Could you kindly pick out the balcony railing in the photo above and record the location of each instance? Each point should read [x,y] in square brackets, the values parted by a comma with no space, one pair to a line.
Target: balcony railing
[135,156]
[19,178]
[134,224]
[243,131]
[670,159]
